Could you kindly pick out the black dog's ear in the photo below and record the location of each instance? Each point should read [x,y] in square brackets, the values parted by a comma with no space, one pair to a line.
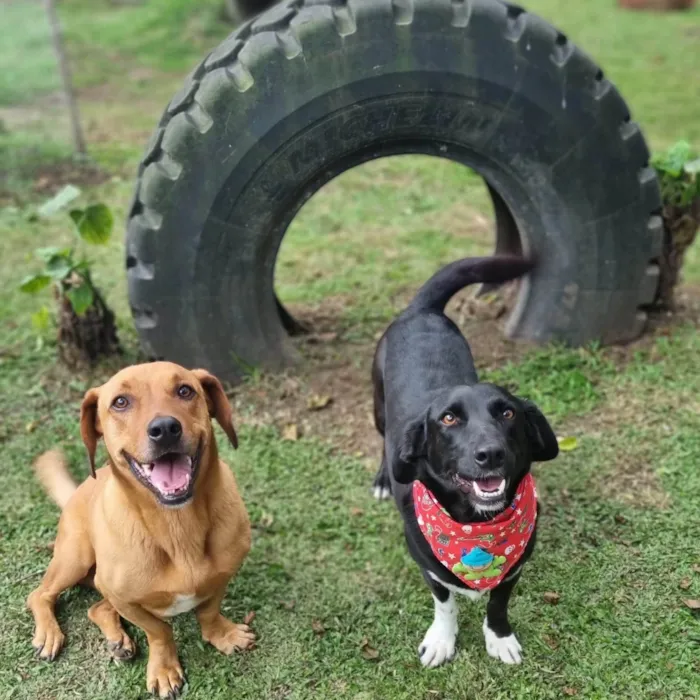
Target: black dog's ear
[412,450]
[543,441]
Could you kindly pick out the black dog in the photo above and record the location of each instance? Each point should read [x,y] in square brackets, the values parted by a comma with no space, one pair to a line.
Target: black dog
[471,444]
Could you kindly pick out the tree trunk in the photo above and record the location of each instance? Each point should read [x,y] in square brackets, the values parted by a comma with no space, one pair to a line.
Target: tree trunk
[681,227]
[66,78]
[84,340]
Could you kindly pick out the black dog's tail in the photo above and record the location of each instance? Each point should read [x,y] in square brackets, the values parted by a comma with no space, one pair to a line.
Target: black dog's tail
[445,283]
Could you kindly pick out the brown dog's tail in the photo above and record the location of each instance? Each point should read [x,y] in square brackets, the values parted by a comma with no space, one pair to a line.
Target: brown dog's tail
[52,471]
[445,283]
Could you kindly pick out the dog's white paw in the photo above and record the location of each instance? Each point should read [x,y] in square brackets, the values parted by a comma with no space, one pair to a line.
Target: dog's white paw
[382,493]
[438,645]
[507,649]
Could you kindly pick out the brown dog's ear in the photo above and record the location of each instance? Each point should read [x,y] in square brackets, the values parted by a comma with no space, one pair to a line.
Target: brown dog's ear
[219,406]
[88,426]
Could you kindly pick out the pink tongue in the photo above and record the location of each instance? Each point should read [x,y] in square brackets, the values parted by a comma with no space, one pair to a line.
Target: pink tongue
[490,484]
[171,473]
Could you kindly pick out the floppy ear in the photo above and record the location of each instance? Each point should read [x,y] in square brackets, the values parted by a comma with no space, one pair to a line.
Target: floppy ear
[543,441]
[412,450]
[219,406]
[89,428]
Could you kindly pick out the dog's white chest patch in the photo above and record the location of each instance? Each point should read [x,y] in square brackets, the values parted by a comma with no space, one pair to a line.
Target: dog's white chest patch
[468,592]
[182,604]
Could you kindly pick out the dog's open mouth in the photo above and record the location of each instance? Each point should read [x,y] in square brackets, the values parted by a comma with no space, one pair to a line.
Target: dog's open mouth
[489,490]
[170,477]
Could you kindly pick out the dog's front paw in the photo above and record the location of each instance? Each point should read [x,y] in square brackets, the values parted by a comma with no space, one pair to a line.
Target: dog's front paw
[48,640]
[507,649]
[228,637]
[438,645]
[164,676]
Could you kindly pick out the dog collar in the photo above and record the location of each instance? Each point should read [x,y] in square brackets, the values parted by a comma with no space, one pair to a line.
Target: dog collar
[479,554]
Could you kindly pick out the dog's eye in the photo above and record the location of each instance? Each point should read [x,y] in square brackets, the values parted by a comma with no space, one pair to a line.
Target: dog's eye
[448,419]
[509,414]
[120,403]
[185,392]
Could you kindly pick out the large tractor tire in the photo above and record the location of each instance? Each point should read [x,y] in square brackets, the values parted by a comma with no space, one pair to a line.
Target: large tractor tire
[311,88]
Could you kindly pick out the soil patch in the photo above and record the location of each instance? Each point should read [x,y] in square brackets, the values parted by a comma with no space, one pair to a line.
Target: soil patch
[631,479]
[50,179]
[329,395]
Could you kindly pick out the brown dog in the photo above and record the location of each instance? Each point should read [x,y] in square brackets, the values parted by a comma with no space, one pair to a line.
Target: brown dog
[159,530]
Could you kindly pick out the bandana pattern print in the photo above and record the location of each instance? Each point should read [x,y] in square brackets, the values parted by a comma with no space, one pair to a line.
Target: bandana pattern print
[478,554]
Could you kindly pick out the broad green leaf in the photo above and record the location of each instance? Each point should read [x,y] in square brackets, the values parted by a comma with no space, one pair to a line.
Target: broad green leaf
[693,167]
[77,216]
[80,298]
[94,224]
[59,267]
[567,444]
[41,319]
[676,157]
[34,283]
[46,254]
[59,201]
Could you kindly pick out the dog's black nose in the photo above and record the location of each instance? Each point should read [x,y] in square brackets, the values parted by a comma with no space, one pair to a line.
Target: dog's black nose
[490,456]
[165,431]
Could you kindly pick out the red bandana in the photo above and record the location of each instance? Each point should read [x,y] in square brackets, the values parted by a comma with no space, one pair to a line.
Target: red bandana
[480,555]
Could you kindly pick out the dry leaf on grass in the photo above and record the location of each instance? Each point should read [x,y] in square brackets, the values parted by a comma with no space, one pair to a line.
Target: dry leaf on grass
[368,652]
[684,583]
[696,568]
[356,511]
[692,604]
[318,628]
[290,432]
[551,597]
[318,402]
[570,691]
[551,642]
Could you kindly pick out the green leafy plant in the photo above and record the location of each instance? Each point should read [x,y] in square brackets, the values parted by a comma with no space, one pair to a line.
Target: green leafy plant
[86,327]
[71,274]
[678,169]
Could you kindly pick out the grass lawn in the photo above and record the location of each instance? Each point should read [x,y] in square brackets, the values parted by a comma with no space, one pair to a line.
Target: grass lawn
[328,576]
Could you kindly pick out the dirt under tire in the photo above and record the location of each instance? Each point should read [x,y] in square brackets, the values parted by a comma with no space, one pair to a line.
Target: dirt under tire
[313,87]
